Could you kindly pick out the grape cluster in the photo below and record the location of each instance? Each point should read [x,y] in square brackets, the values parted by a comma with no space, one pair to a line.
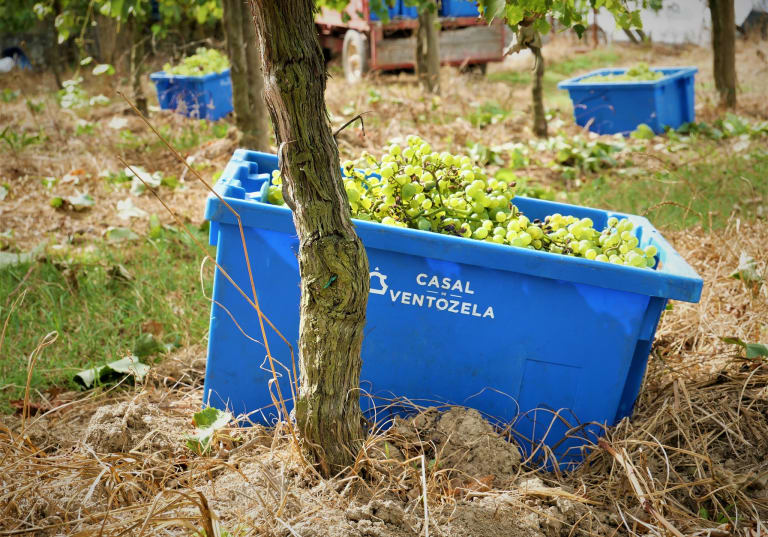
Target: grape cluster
[203,62]
[415,187]
[638,73]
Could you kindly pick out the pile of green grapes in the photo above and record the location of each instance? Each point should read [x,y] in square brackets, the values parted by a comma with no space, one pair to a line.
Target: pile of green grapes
[205,61]
[414,187]
[639,73]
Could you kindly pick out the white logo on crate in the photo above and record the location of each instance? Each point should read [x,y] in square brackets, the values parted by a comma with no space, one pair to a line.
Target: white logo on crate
[382,289]
[438,292]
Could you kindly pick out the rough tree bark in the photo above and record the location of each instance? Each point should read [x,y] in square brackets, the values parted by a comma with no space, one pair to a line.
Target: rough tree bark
[332,261]
[539,116]
[724,49]
[247,78]
[428,49]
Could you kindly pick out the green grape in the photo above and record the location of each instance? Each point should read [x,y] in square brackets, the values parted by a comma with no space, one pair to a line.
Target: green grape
[412,187]
[638,73]
[204,61]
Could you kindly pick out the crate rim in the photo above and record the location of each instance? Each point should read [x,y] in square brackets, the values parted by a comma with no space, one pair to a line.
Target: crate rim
[675,280]
[670,74]
[161,75]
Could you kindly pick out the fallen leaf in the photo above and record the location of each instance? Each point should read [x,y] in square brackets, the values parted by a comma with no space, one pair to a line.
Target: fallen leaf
[117,123]
[754,350]
[208,422]
[142,178]
[747,270]
[120,234]
[80,201]
[113,371]
[127,210]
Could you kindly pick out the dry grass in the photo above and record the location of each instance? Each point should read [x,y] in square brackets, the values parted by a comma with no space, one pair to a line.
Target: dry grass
[692,461]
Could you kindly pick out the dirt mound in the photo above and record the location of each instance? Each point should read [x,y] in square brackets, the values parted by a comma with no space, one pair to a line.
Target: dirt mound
[132,425]
[459,439]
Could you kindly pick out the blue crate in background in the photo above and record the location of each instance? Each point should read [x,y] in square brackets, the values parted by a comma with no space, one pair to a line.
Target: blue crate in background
[393,11]
[459,8]
[408,12]
[619,107]
[518,334]
[204,97]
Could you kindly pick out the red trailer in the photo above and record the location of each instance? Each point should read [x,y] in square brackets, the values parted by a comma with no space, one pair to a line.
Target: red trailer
[366,43]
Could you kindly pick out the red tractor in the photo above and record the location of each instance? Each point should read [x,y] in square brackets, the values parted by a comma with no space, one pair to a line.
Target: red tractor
[366,43]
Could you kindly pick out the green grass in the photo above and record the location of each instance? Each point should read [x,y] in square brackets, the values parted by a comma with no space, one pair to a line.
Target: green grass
[98,313]
[705,193]
[557,72]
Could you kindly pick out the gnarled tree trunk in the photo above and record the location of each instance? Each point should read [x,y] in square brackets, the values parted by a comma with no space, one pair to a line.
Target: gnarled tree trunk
[247,78]
[724,49]
[332,261]
[137,62]
[428,49]
[539,116]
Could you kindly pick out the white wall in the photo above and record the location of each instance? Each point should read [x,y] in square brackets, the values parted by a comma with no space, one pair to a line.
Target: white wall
[679,21]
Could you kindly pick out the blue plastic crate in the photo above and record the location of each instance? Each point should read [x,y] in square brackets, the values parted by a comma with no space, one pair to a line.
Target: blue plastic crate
[459,8]
[516,333]
[393,11]
[619,107]
[205,97]
[408,12]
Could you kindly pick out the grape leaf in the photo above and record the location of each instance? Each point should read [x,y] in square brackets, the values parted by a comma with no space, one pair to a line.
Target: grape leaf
[754,350]
[492,9]
[113,371]
[103,68]
[208,422]
[120,234]
[127,210]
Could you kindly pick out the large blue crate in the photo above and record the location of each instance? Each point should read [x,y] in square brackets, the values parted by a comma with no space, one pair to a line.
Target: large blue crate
[459,8]
[516,333]
[400,10]
[393,11]
[408,12]
[619,107]
[205,97]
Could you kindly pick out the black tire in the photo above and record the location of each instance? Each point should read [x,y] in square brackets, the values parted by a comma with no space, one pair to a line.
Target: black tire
[354,56]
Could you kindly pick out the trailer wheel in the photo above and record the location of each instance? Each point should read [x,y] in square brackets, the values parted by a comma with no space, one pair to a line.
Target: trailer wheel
[354,55]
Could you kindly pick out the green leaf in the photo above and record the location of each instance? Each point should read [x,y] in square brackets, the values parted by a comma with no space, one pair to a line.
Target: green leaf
[56,202]
[120,234]
[703,513]
[514,14]
[80,202]
[542,26]
[643,132]
[492,9]
[103,68]
[86,61]
[754,350]
[155,228]
[208,421]
[113,371]
[579,29]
